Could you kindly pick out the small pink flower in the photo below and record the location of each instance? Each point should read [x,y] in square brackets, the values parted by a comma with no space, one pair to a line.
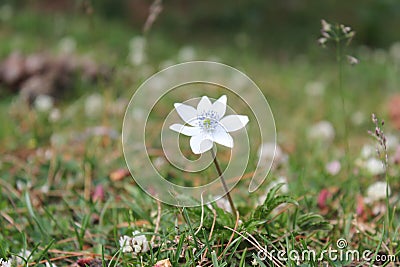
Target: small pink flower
[98,194]
[322,198]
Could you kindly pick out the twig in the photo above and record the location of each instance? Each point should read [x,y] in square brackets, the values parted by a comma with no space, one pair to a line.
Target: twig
[202,215]
[233,234]
[257,245]
[157,221]
[211,232]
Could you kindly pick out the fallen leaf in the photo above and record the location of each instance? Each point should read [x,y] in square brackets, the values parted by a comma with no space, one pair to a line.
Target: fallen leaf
[119,174]
[89,262]
[163,263]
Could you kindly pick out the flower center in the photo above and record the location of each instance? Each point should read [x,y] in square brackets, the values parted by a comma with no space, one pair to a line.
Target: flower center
[208,120]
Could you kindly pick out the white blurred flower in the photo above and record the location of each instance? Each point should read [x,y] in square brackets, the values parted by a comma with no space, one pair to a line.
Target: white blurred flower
[368,151]
[55,115]
[392,141]
[50,264]
[323,131]
[44,189]
[94,105]
[43,103]
[358,118]
[135,244]
[284,189]
[23,185]
[137,53]
[269,152]
[326,27]
[186,53]
[223,203]
[4,263]
[208,124]
[333,167]
[352,60]
[315,88]
[376,192]
[6,12]
[322,41]
[374,166]
[23,254]
[394,51]
[67,45]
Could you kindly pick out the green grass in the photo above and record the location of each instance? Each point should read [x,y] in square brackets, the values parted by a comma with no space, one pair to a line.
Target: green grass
[48,170]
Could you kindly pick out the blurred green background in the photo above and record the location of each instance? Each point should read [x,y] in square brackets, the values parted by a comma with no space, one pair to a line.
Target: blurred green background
[282,26]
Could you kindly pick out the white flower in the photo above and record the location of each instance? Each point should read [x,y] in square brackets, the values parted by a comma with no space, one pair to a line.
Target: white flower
[50,264]
[55,115]
[223,203]
[368,151]
[374,166]
[376,191]
[125,244]
[43,103]
[352,60]
[391,141]
[94,105]
[140,241]
[333,167]
[137,46]
[208,124]
[67,45]
[136,244]
[323,131]
[315,88]
[4,263]
[358,118]
[326,27]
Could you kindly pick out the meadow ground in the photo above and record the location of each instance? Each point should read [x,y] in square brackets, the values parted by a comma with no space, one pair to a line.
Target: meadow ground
[67,197]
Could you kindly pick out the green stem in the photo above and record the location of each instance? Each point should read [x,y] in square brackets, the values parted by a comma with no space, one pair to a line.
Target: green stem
[223,182]
[388,210]
[339,59]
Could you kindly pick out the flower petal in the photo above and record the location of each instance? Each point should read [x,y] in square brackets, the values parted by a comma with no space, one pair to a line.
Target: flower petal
[199,144]
[204,105]
[186,112]
[219,106]
[185,130]
[233,123]
[221,137]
